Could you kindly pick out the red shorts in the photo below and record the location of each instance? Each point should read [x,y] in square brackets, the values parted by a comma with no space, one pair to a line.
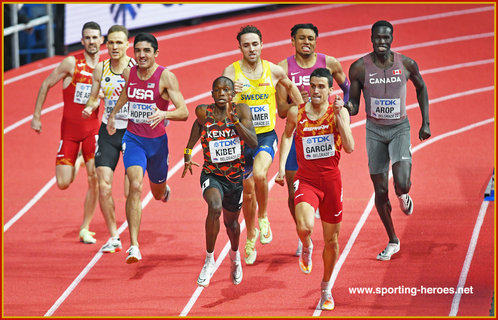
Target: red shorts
[324,193]
[68,150]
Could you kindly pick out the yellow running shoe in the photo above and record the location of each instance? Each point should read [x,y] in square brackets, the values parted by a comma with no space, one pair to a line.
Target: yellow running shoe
[250,255]
[87,236]
[266,236]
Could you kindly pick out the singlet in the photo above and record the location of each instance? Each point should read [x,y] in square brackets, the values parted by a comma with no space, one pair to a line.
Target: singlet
[143,95]
[301,76]
[385,91]
[222,147]
[75,97]
[112,84]
[318,143]
[259,95]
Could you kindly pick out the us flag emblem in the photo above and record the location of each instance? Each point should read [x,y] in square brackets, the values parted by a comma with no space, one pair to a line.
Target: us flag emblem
[396,72]
[151,85]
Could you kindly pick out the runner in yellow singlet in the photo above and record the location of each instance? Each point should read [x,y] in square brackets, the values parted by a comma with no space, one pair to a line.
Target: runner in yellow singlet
[255,80]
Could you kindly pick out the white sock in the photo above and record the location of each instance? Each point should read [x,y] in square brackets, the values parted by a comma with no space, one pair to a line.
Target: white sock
[403,196]
[210,256]
[327,286]
[234,255]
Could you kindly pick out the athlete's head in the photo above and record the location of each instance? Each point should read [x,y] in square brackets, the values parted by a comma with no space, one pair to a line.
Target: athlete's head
[250,43]
[146,50]
[382,37]
[321,81]
[223,91]
[91,37]
[303,37]
[117,41]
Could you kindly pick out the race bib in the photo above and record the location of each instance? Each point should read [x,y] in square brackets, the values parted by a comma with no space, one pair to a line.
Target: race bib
[385,108]
[122,113]
[225,150]
[82,92]
[318,147]
[260,115]
[140,112]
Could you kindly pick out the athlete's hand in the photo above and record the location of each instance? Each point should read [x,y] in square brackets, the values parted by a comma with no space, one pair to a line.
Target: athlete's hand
[338,104]
[280,178]
[87,112]
[188,166]
[304,94]
[231,112]
[424,132]
[111,128]
[36,125]
[156,118]
[238,86]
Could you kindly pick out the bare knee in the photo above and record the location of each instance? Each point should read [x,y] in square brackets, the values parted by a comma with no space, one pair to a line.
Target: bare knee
[332,242]
[136,187]
[214,210]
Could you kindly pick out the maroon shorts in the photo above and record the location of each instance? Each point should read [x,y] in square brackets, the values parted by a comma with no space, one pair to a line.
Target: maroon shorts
[323,192]
[68,150]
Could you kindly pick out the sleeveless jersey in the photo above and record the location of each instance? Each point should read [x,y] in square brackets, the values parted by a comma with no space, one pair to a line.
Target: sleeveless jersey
[259,95]
[318,143]
[222,147]
[301,76]
[385,91]
[143,96]
[75,97]
[112,84]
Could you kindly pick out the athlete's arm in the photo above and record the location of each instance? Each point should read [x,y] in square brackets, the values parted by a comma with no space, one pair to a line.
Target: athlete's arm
[94,100]
[62,71]
[195,134]
[229,72]
[170,83]
[339,76]
[285,143]
[342,120]
[281,77]
[123,98]
[283,105]
[422,96]
[356,76]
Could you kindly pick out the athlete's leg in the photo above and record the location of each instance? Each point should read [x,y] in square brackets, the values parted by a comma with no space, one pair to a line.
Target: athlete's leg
[289,178]
[262,163]
[212,197]
[231,221]
[401,176]
[249,206]
[106,201]
[382,203]
[133,203]
[305,222]
[157,189]
[331,248]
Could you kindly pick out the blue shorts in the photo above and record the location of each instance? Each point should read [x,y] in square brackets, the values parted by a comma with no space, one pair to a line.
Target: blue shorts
[291,164]
[266,142]
[150,153]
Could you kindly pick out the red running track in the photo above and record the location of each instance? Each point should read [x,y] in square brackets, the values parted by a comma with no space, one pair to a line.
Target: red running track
[46,271]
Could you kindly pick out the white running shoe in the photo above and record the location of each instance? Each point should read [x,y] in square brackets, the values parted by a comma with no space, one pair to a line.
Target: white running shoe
[206,273]
[406,204]
[305,262]
[167,194]
[86,236]
[112,245]
[133,255]
[299,248]
[235,267]
[266,236]
[251,253]
[326,301]
[391,249]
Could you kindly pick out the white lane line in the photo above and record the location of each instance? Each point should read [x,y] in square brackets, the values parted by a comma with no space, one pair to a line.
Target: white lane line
[370,204]
[455,304]
[179,165]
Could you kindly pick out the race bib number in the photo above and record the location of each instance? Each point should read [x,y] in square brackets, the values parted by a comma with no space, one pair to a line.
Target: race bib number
[122,113]
[385,108]
[260,115]
[140,112]
[225,150]
[318,147]
[82,92]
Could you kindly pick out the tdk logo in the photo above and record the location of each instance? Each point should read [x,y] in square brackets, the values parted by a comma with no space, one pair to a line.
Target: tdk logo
[321,139]
[258,109]
[140,94]
[225,143]
[385,102]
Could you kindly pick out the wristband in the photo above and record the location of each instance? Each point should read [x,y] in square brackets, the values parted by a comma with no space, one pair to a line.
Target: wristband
[236,122]
[188,151]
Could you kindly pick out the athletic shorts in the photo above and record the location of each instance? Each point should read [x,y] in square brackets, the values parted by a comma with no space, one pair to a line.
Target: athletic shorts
[230,190]
[387,143]
[68,150]
[149,153]
[108,148]
[291,164]
[323,192]
[266,142]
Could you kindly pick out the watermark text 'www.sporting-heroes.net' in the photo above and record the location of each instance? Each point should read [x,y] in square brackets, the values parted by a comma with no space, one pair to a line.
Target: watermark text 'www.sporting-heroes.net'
[413,291]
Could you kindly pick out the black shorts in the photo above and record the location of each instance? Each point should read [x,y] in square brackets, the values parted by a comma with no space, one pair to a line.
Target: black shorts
[108,148]
[230,190]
